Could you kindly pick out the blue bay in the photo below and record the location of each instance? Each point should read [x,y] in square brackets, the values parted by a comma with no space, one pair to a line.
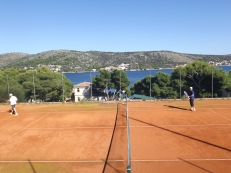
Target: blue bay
[133,76]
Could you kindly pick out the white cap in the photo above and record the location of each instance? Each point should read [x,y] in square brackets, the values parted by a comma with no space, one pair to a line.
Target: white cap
[191,87]
[10,94]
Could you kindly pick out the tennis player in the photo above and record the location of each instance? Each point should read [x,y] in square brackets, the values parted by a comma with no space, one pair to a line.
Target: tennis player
[191,99]
[13,101]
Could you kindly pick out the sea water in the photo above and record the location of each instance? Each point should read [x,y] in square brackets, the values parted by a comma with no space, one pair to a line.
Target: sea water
[133,76]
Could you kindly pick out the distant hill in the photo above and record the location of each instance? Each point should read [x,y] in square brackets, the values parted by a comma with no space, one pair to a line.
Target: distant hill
[71,60]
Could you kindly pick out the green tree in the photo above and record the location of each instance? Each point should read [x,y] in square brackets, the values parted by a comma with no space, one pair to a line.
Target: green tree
[155,90]
[101,83]
[120,81]
[113,81]
[142,87]
[160,86]
[26,80]
[228,85]
[202,77]
[48,85]
[9,84]
[178,83]
[4,94]
[163,81]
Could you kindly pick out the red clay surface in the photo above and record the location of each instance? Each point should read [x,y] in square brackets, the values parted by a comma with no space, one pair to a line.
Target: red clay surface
[165,137]
[59,137]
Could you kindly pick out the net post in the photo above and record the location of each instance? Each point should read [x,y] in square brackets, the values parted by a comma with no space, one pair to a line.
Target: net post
[128,137]
[128,169]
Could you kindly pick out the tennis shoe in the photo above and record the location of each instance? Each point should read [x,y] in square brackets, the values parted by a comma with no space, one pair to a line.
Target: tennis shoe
[16,115]
[10,113]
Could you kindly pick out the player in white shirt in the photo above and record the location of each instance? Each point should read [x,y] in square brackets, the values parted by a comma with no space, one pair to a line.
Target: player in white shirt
[13,101]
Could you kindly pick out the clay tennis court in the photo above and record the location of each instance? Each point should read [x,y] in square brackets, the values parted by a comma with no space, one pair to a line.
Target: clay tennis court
[165,137]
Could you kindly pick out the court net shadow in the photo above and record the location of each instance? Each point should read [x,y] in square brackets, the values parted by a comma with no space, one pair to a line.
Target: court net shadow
[32,167]
[195,165]
[180,134]
[116,159]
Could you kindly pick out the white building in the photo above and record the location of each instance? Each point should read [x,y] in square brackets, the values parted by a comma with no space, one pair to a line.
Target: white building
[82,90]
[123,66]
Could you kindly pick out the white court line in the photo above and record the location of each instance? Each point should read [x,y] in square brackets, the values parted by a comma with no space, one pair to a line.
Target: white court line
[189,125]
[70,112]
[58,161]
[179,160]
[217,108]
[220,115]
[23,129]
[102,161]
[139,109]
[86,127]
[63,128]
[110,127]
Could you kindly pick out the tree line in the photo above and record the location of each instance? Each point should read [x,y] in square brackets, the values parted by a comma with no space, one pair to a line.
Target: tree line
[207,81]
[40,84]
[45,85]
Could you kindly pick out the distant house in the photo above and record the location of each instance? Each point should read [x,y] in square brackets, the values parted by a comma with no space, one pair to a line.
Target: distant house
[123,66]
[82,90]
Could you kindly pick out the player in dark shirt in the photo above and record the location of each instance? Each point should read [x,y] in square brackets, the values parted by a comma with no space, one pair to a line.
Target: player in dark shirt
[191,99]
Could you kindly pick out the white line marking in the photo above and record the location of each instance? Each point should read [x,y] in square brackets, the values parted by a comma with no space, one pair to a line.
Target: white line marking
[179,160]
[63,128]
[89,111]
[67,128]
[181,125]
[23,129]
[110,127]
[218,108]
[220,115]
[163,108]
[58,161]
[102,161]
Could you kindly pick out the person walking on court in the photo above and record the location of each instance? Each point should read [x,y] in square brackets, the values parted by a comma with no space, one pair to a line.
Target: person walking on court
[191,98]
[13,101]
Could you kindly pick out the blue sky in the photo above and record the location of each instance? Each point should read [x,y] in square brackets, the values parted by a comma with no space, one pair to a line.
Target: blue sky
[184,26]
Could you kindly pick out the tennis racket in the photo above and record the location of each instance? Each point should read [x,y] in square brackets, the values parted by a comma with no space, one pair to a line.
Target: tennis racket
[186,94]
